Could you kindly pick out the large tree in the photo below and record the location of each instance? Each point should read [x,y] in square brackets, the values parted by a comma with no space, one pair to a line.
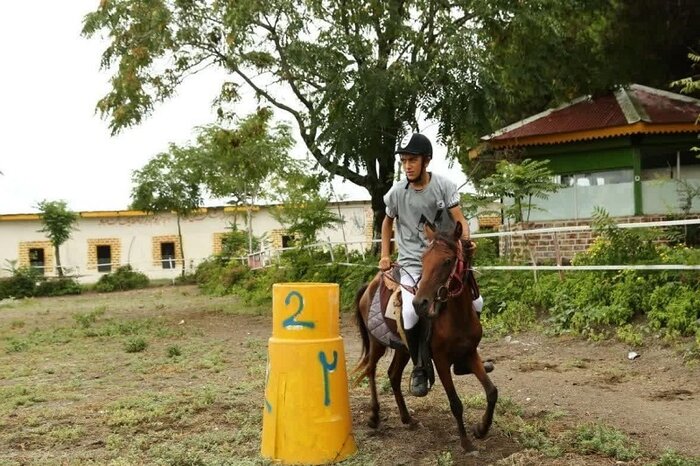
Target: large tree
[169,182]
[58,222]
[355,75]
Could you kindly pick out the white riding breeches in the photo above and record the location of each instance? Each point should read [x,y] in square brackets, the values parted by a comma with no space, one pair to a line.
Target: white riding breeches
[408,312]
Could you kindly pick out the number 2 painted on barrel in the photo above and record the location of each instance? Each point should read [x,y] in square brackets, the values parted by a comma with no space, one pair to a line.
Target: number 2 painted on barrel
[291,322]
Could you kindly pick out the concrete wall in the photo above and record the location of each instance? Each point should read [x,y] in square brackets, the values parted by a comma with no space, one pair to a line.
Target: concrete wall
[134,237]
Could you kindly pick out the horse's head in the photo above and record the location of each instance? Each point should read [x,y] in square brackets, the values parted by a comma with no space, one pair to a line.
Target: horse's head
[443,267]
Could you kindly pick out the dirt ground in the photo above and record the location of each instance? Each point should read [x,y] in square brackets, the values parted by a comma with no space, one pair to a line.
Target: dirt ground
[655,399]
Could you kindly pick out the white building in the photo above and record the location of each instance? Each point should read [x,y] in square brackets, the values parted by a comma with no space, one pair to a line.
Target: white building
[104,240]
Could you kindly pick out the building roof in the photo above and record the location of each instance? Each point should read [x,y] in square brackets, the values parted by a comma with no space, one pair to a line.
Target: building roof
[635,109]
[140,213]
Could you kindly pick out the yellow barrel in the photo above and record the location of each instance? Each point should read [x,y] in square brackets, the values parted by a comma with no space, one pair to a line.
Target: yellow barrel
[306,413]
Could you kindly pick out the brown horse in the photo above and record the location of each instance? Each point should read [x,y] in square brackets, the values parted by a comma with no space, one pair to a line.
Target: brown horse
[444,297]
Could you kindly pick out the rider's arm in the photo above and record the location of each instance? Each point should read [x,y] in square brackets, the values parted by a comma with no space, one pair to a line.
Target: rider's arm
[387,230]
[458,216]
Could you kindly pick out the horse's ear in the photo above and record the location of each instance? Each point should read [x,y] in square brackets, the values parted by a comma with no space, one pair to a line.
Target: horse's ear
[429,231]
[458,231]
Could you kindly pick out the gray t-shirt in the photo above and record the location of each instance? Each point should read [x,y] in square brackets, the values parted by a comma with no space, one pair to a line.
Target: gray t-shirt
[412,209]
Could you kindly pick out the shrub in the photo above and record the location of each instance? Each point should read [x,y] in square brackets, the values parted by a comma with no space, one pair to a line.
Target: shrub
[22,284]
[596,438]
[301,265]
[174,351]
[135,345]
[124,278]
[676,307]
[60,287]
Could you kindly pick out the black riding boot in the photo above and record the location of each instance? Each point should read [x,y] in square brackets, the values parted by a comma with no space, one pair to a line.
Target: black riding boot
[419,376]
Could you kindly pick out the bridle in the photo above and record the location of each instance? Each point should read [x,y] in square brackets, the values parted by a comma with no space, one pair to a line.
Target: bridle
[455,281]
[454,285]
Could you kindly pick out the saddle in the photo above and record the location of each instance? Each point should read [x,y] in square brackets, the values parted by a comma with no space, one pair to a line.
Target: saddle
[384,322]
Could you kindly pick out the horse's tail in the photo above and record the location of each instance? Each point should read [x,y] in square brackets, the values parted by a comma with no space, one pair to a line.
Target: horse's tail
[360,371]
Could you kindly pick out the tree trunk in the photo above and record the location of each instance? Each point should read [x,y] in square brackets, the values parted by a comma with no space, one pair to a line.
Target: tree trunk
[249,226]
[59,269]
[182,250]
[378,212]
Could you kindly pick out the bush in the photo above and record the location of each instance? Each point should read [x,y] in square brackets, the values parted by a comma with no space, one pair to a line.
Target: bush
[135,345]
[608,441]
[302,265]
[60,287]
[124,278]
[22,284]
[676,307]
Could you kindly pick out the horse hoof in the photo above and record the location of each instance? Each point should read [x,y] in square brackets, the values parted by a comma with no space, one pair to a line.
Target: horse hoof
[478,431]
[467,446]
[412,424]
[373,423]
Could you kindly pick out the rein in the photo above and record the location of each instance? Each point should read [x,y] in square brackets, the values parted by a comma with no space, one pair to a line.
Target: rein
[388,275]
[455,282]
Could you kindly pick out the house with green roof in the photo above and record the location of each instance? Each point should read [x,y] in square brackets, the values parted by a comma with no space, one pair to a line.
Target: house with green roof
[627,151]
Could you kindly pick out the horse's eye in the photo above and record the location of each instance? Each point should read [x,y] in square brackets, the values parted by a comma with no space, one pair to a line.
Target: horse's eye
[447,261]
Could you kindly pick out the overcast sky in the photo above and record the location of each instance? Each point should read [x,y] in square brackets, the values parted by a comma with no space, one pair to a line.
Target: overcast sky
[52,144]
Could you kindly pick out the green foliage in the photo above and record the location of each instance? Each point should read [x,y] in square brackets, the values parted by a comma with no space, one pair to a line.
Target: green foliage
[691,84]
[174,351]
[360,77]
[22,284]
[85,320]
[240,164]
[617,245]
[675,307]
[124,278]
[673,458]
[135,345]
[58,221]
[303,208]
[298,265]
[235,244]
[520,182]
[608,441]
[169,182]
[629,335]
[60,287]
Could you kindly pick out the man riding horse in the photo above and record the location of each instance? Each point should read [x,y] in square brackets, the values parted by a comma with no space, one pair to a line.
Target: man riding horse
[422,199]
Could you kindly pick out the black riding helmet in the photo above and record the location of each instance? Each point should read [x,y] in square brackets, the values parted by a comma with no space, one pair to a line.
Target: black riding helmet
[418,144]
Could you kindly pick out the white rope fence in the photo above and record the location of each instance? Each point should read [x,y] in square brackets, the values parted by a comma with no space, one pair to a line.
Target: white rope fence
[665,223]
[572,228]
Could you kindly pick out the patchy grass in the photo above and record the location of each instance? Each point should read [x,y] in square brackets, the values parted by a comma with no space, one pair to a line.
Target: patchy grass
[605,440]
[193,394]
[673,458]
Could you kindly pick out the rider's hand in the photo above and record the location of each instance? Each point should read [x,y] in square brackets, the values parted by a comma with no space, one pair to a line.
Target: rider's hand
[385,263]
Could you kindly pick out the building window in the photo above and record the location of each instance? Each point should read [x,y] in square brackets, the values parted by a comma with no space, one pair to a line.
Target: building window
[287,241]
[104,258]
[167,255]
[36,259]
[601,178]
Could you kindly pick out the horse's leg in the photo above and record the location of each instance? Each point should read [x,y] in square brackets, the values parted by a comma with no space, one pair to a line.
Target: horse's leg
[443,368]
[398,364]
[376,351]
[477,366]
